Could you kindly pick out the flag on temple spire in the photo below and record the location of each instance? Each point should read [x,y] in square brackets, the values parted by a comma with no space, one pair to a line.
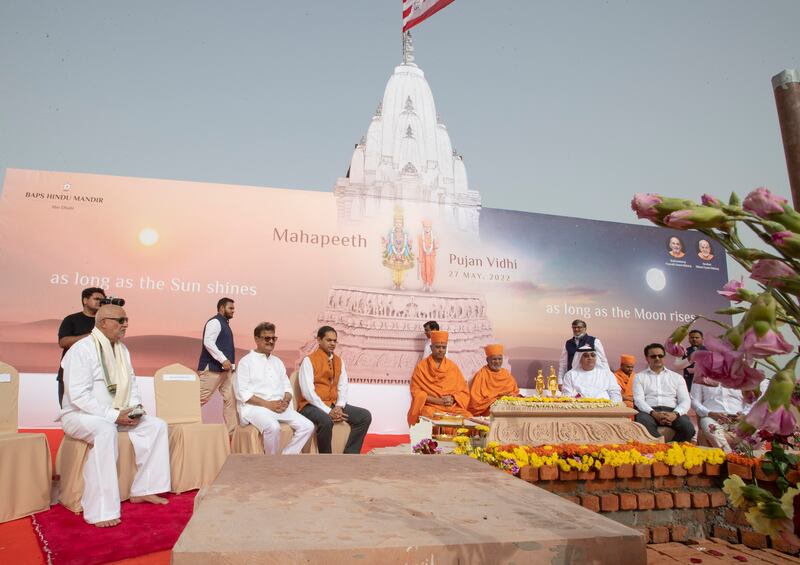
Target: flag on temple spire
[417,11]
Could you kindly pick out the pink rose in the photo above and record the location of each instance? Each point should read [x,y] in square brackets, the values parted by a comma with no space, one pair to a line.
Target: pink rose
[722,363]
[731,290]
[674,349]
[762,203]
[781,422]
[644,206]
[771,343]
[766,270]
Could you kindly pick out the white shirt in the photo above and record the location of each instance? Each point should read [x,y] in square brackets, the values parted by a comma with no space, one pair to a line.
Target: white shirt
[602,361]
[666,388]
[210,335]
[427,350]
[260,375]
[307,386]
[707,399]
[597,383]
[85,389]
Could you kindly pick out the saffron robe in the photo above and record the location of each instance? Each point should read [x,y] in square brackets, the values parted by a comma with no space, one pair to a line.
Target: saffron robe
[487,386]
[428,379]
[626,384]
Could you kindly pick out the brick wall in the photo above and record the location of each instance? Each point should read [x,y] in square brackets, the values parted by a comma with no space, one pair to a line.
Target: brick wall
[665,503]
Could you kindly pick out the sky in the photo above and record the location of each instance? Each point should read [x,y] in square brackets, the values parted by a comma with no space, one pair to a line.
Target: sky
[563,107]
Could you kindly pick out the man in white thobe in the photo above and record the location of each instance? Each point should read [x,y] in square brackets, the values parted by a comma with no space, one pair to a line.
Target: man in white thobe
[99,399]
[264,395]
[569,359]
[590,380]
[717,409]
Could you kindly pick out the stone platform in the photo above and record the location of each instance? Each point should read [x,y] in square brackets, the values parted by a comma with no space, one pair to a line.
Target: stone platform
[380,330]
[392,509]
[552,424]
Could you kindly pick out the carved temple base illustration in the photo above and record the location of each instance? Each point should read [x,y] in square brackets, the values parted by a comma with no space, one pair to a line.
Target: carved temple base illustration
[526,425]
[380,330]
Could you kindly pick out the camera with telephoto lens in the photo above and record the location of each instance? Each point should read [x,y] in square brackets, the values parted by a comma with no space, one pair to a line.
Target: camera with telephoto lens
[115,301]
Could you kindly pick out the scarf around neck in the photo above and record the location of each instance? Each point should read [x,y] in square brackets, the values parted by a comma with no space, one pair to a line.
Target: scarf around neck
[116,369]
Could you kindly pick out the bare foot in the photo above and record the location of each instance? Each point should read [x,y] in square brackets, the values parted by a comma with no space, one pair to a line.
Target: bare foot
[108,523]
[151,498]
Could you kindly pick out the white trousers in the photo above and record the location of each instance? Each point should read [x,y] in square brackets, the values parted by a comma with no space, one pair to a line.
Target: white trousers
[100,499]
[269,424]
[715,434]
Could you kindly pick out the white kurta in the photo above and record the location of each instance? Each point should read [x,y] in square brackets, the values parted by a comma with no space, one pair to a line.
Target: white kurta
[87,414]
[309,393]
[707,399]
[597,383]
[265,377]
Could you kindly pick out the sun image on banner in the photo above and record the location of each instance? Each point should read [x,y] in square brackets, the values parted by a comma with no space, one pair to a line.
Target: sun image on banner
[374,270]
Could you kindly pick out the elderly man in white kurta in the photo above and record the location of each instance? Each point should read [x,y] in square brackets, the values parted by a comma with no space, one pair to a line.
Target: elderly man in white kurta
[590,380]
[718,409]
[101,397]
[264,395]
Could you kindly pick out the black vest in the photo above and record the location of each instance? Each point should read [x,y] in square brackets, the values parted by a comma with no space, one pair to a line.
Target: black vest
[571,348]
[224,343]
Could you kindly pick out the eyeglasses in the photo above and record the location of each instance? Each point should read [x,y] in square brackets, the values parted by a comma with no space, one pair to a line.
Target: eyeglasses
[268,338]
[656,356]
[121,320]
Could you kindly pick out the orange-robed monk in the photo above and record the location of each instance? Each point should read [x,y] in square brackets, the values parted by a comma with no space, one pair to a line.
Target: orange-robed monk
[491,382]
[625,376]
[437,384]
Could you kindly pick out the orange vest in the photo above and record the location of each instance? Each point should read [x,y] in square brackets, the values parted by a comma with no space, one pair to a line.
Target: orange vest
[326,381]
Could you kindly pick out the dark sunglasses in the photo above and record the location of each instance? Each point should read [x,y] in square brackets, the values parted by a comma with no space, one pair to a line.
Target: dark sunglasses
[273,338]
[656,356]
[121,320]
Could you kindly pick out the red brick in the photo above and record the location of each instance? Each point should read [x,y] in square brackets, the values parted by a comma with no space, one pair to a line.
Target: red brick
[559,486]
[548,473]
[660,469]
[793,477]
[743,471]
[762,476]
[586,475]
[682,499]
[627,501]
[573,499]
[659,534]
[677,471]
[637,484]
[712,470]
[780,545]
[728,534]
[599,486]
[700,500]
[669,482]
[663,500]
[718,498]
[609,502]
[606,472]
[625,471]
[529,473]
[568,475]
[696,470]
[590,502]
[736,517]
[754,539]
[643,470]
[645,500]
[703,482]
[679,533]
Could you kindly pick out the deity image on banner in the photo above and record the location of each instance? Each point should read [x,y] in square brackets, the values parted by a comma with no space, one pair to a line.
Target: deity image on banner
[426,264]
[397,254]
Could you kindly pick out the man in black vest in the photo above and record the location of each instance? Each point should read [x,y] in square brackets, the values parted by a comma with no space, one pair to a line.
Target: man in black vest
[685,363]
[217,358]
[579,339]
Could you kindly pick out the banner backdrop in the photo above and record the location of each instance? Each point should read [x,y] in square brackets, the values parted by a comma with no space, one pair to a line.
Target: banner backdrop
[375,269]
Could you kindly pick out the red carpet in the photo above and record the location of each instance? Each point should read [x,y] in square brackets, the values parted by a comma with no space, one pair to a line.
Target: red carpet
[145,528]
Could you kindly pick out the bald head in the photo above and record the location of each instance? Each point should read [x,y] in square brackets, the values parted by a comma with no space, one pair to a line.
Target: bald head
[112,321]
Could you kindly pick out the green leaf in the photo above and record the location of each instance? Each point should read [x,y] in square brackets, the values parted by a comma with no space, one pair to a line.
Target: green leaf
[734,200]
[768,467]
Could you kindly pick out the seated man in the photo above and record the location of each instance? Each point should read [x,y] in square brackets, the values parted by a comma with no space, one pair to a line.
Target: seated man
[491,382]
[100,395]
[625,376]
[589,380]
[323,389]
[437,384]
[718,409]
[661,397]
[264,395]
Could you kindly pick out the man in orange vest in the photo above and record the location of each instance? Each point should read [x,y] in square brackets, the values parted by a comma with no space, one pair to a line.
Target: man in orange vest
[323,395]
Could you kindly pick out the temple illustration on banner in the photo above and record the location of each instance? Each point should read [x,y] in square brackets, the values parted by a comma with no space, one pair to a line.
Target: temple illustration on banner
[406,181]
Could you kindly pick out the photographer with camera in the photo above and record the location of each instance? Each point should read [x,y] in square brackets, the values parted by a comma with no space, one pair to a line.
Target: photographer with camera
[77,326]
[101,398]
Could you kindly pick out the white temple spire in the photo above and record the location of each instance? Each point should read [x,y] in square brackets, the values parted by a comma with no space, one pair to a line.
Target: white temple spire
[408,50]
